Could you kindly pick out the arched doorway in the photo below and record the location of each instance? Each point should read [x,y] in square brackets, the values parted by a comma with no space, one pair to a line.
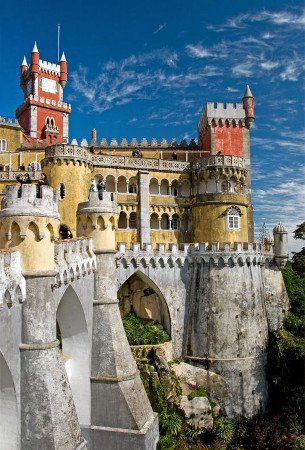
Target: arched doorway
[73,333]
[139,295]
[9,439]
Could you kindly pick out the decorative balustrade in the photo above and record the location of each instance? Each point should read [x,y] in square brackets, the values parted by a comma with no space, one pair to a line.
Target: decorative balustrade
[12,175]
[218,161]
[74,259]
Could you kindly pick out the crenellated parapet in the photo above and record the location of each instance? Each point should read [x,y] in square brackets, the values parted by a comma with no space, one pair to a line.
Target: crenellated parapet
[74,258]
[29,222]
[143,143]
[12,282]
[215,255]
[30,200]
[12,123]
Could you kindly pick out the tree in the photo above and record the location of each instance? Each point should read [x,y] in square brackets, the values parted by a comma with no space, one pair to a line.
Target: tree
[298,259]
[299,233]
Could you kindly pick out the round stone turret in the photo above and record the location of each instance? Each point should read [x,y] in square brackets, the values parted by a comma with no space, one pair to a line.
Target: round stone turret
[281,254]
[29,222]
[98,219]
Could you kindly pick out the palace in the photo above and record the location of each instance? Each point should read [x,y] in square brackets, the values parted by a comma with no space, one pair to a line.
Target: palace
[175,218]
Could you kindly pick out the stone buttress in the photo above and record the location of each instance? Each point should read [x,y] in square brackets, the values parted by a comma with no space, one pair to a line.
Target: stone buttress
[121,415]
[48,416]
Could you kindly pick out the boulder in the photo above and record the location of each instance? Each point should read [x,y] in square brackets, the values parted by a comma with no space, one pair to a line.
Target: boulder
[198,412]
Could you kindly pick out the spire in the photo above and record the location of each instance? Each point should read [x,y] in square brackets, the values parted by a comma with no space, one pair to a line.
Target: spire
[24,62]
[35,49]
[63,57]
[248,92]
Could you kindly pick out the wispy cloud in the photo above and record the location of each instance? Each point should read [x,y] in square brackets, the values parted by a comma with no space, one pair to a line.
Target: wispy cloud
[287,17]
[160,27]
[197,51]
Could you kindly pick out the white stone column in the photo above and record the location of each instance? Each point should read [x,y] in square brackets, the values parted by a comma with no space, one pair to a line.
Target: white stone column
[144,216]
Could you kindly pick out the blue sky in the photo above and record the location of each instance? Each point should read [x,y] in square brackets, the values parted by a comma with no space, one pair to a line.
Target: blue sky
[146,68]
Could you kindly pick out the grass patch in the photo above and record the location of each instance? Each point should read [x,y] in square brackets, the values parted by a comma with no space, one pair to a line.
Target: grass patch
[142,331]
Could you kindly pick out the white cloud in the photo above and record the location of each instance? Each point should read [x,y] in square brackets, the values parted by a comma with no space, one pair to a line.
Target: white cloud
[269,65]
[197,51]
[244,69]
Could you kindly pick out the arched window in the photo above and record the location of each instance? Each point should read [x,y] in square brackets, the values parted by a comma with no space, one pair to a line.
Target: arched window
[3,145]
[164,187]
[239,188]
[175,188]
[225,186]
[48,122]
[62,191]
[233,218]
[154,221]
[133,220]
[35,165]
[153,186]
[122,184]
[110,183]
[164,222]
[132,185]
[175,222]
[122,224]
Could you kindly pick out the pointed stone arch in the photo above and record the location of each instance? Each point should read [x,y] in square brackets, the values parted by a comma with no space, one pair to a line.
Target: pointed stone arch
[75,346]
[150,304]
[8,409]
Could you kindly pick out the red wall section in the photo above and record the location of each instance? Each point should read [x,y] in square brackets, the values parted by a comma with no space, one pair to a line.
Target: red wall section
[229,140]
[43,113]
[206,140]
[24,120]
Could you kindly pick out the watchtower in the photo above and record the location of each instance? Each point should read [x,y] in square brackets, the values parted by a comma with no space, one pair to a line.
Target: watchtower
[29,222]
[43,113]
[98,219]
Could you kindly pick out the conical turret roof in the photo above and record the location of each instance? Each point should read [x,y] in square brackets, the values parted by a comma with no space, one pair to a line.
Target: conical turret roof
[63,57]
[248,92]
[24,62]
[35,49]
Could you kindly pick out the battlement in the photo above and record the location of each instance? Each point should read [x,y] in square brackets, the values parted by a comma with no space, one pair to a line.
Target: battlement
[9,122]
[30,200]
[224,112]
[49,67]
[134,143]
[12,282]
[96,205]
[74,258]
[216,254]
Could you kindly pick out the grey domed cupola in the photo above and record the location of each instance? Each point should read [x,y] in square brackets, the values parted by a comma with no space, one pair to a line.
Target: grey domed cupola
[280,234]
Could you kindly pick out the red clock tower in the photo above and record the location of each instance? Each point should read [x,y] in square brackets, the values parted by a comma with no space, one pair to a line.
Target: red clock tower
[43,113]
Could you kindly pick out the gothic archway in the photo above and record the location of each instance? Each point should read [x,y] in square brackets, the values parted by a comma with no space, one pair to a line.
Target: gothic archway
[8,409]
[140,294]
[73,334]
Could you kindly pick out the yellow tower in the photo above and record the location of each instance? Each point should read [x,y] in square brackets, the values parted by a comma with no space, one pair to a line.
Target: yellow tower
[68,169]
[29,222]
[220,206]
[98,220]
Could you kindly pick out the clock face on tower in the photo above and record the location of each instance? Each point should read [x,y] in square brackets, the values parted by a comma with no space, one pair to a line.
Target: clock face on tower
[29,87]
[48,85]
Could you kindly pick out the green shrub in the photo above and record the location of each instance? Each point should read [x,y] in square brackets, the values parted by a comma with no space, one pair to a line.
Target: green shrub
[199,392]
[142,331]
[224,429]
